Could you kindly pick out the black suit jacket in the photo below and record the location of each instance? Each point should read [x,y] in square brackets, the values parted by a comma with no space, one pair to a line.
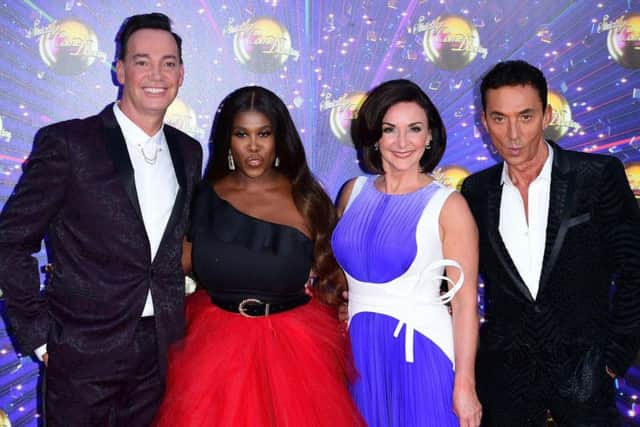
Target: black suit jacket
[559,343]
[78,190]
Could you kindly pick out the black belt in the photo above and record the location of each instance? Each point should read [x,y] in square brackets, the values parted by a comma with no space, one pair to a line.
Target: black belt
[253,307]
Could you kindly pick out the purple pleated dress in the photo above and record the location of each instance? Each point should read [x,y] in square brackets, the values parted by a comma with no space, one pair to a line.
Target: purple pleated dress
[401,333]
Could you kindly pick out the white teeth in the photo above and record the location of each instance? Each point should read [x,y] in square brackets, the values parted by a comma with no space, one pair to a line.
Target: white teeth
[153,90]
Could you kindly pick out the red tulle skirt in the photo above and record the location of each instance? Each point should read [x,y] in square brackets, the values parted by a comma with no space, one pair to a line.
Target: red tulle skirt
[287,369]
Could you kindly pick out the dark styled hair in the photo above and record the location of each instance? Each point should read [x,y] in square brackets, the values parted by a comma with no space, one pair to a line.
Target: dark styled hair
[309,197]
[514,73]
[152,21]
[366,128]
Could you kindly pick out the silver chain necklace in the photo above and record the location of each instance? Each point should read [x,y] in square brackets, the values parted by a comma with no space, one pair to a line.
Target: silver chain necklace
[153,158]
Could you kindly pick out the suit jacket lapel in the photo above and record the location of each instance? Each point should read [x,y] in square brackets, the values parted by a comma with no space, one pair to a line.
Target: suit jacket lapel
[560,207]
[173,141]
[117,149]
[494,195]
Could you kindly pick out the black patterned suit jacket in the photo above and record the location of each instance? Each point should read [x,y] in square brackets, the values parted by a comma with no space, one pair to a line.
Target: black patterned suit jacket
[78,190]
[534,353]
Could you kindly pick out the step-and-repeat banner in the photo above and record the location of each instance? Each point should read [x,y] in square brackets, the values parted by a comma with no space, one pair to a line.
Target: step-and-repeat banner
[321,57]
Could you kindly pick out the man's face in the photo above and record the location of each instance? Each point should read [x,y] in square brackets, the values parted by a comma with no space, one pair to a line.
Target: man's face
[515,119]
[150,74]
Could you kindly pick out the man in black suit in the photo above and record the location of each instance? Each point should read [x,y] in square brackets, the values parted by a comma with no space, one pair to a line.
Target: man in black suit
[111,194]
[556,229]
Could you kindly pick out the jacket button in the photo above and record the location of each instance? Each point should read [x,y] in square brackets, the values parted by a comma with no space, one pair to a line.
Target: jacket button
[537,308]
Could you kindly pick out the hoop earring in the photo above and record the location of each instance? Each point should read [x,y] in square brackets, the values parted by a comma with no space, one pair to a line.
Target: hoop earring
[428,146]
[276,163]
[230,163]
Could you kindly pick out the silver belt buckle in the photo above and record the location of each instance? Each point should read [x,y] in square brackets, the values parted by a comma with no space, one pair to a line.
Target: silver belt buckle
[252,301]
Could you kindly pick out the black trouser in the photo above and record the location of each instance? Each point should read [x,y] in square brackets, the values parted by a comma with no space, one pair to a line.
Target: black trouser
[127,394]
[552,410]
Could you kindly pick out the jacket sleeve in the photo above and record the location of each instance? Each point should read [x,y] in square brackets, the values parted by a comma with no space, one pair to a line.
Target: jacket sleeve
[619,219]
[34,204]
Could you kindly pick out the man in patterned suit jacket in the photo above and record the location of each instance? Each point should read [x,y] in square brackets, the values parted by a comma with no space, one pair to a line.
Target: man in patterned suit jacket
[111,194]
[556,229]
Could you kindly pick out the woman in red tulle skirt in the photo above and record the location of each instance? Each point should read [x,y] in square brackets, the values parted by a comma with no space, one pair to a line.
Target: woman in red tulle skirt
[258,351]
[280,370]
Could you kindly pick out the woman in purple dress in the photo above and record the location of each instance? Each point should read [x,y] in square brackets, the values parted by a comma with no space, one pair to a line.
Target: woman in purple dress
[400,236]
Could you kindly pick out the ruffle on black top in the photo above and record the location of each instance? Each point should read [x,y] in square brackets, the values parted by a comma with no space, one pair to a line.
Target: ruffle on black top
[233,226]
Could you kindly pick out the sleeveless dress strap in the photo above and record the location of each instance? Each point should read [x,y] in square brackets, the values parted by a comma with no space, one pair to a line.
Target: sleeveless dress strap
[357,187]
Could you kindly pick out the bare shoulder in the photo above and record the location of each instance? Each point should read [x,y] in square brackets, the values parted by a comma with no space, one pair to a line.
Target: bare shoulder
[455,201]
[455,213]
[345,194]
[225,187]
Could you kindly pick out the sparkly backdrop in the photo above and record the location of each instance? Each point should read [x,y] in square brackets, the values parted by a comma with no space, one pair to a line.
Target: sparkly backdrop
[320,57]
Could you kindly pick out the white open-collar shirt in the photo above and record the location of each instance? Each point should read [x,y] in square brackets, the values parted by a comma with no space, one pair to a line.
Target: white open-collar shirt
[524,237]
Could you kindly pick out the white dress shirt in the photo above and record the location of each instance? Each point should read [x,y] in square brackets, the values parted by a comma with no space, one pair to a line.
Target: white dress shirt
[524,237]
[155,179]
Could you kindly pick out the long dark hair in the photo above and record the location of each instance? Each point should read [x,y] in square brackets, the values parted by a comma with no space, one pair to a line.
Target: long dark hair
[309,197]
